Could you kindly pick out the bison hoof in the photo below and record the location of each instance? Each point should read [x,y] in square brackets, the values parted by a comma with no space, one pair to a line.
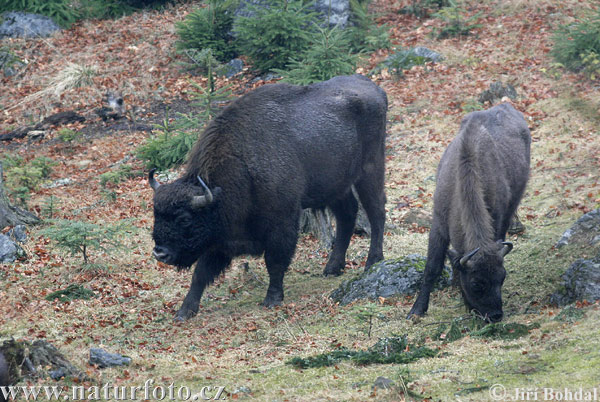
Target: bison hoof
[415,313]
[271,302]
[332,271]
[372,261]
[185,314]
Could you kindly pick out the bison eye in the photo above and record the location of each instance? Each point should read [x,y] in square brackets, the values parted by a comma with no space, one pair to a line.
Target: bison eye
[478,286]
[184,220]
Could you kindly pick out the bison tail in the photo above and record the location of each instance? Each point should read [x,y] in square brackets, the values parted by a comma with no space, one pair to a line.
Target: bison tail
[476,220]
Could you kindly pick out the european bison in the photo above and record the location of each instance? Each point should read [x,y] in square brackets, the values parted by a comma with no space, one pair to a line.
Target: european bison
[268,155]
[480,181]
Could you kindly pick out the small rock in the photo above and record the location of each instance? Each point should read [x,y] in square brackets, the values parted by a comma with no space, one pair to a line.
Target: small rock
[242,390]
[585,231]
[34,134]
[418,216]
[428,54]
[338,11]
[383,383]
[234,67]
[104,359]
[388,278]
[83,164]
[9,250]
[498,91]
[19,24]
[59,183]
[58,373]
[18,234]
[580,282]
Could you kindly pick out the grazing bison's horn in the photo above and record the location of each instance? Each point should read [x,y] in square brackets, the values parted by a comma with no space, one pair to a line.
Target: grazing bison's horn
[508,246]
[466,258]
[152,181]
[200,201]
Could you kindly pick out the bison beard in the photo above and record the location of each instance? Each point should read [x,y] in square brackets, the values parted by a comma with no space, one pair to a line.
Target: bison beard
[480,181]
[268,155]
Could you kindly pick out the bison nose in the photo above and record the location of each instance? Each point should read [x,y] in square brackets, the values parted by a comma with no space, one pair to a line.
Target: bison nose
[495,317]
[160,253]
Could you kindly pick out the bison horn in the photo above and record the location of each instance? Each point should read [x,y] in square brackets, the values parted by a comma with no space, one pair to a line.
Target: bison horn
[466,258]
[508,246]
[152,181]
[200,201]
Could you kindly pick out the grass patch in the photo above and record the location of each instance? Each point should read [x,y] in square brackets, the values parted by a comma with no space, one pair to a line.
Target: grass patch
[70,293]
[390,350]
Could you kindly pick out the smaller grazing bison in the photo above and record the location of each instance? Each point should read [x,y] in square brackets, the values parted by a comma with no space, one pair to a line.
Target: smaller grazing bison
[480,181]
[268,155]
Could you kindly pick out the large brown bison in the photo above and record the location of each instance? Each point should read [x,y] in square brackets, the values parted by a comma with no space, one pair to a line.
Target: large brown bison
[480,181]
[268,155]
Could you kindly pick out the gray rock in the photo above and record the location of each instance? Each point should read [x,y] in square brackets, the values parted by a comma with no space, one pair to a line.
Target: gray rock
[25,25]
[104,359]
[498,91]
[585,231]
[383,383]
[335,12]
[234,67]
[18,234]
[339,13]
[58,373]
[428,54]
[241,390]
[388,278]
[9,250]
[58,183]
[580,282]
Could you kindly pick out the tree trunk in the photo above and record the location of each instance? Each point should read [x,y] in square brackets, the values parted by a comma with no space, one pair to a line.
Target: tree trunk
[11,215]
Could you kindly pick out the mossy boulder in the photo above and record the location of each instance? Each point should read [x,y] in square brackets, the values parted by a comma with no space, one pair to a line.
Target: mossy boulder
[580,282]
[387,278]
[584,233]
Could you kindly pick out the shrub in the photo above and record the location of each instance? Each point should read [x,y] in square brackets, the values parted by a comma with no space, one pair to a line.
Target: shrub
[23,178]
[327,57]
[275,33]
[105,9]
[68,135]
[363,33]
[79,237]
[577,45]
[171,145]
[456,23]
[422,8]
[402,59]
[209,27]
[116,176]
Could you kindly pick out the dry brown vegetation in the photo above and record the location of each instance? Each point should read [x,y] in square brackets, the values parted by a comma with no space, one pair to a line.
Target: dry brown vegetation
[233,342]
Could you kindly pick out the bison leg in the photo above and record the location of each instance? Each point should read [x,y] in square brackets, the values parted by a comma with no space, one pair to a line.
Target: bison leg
[208,267]
[278,255]
[345,211]
[436,254]
[372,196]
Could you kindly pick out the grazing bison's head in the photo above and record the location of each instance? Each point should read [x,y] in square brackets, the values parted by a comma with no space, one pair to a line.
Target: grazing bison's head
[185,220]
[481,275]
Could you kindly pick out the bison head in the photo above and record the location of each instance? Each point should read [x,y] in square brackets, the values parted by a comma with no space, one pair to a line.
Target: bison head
[186,221]
[481,275]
